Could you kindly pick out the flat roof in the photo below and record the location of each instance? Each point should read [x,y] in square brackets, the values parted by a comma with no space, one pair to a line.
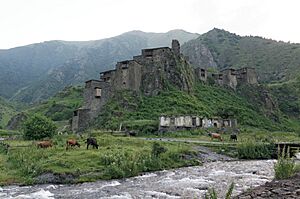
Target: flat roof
[151,49]
[227,69]
[96,80]
[107,71]
[246,68]
[126,61]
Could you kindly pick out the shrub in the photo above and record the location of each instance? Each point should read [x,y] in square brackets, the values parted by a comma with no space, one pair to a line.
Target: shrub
[212,194]
[38,127]
[28,161]
[255,150]
[285,166]
[4,148]
[143,127]
[157,149]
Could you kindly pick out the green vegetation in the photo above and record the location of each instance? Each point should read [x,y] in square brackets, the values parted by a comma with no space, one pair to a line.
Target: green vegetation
[61,106]
[274,61]
[157,149]
[212,194]
[285,167]
[117,157]
[37,127]
[131,108]
[288,97]
[256,150]
[6,112]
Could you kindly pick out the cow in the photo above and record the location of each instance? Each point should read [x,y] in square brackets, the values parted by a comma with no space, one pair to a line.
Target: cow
[131,133]
[72,143]
[91,141]
[44,144]
[233,137]
[215,136]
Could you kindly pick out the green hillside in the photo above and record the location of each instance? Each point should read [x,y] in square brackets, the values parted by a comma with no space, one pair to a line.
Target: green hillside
[277,63]
[288,97]
[61,106]
[132,108]
[273,60]
[6,112]
[34,73]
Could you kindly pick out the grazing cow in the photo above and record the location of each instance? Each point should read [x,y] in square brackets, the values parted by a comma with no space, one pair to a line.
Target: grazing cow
[91,141]
[44,144]
[72,143]
[233,137]
[215,136]
[131,133]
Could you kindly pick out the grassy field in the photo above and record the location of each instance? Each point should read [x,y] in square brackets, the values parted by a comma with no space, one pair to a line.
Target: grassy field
[246,134]
[117,157]
[120,157]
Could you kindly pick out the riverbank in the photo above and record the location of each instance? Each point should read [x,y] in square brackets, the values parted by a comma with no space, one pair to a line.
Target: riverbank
[187,182]
[288,188]
[117,157]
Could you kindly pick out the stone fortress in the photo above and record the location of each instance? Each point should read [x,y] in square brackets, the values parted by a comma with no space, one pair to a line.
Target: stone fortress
[149,73]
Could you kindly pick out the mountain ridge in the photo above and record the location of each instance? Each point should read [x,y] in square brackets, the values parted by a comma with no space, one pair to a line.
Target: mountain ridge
[274,60]
[27,70]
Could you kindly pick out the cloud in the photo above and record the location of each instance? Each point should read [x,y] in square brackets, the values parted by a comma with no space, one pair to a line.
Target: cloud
[23,22]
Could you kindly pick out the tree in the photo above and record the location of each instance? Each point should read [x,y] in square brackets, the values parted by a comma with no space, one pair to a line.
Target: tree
[37,127]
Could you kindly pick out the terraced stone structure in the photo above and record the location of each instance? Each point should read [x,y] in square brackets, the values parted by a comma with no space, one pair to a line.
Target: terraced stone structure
[232,78]
[152,71]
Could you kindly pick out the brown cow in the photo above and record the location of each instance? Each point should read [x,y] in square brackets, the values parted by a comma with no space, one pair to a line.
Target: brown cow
[215,136]
[72,143]
[44,144]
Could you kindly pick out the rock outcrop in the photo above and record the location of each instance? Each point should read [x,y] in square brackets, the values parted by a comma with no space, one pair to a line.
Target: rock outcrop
[288,189]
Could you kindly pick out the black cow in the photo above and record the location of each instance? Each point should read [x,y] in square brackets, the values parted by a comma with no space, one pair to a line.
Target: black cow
[233,137]
[91,141]
[131,133]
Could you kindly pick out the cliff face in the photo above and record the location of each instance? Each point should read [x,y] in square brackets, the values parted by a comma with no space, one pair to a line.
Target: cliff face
[199,55]
[165,70]
[154,70]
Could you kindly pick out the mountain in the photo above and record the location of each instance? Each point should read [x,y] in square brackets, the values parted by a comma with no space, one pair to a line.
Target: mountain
[36,72]
[23,65]
[277,63]
[273,60]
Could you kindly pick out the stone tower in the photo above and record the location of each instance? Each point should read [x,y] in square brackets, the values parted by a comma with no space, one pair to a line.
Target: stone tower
[176,47]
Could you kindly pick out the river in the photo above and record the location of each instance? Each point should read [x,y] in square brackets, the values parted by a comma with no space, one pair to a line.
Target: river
[187,182]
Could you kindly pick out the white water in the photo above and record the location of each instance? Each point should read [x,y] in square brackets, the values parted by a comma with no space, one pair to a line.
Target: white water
[189,182]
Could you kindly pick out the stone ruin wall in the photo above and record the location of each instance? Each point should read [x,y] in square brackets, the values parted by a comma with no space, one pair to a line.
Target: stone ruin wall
[173,123]
[150,73]
[232,78]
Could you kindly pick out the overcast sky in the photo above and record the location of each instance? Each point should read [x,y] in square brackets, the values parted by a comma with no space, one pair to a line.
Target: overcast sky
[30,21]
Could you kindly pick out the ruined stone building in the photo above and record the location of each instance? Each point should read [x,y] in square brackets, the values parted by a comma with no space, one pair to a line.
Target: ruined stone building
[149,73]
[229,77]
[184,122]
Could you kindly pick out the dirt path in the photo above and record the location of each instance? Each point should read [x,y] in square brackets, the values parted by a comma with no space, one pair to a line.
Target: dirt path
[191,141]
